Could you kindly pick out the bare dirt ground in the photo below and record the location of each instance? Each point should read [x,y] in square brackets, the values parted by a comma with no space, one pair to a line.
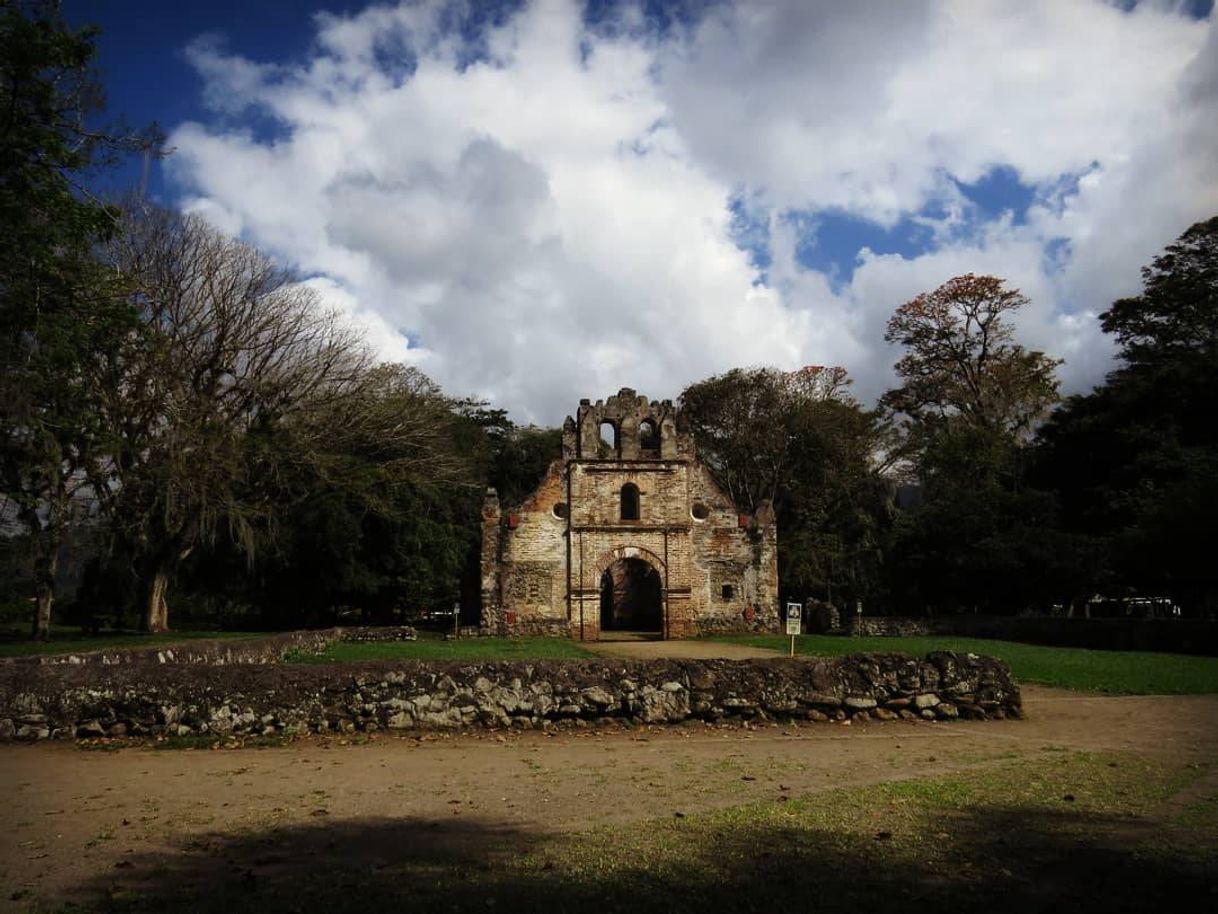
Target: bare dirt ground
[72,818]
[637,649]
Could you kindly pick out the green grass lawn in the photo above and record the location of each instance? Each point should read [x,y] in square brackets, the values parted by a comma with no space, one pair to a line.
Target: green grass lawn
[70,640]
[438,649]
[1121,672]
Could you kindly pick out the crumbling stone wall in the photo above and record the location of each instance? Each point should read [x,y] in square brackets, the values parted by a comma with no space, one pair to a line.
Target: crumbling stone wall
[39,702]
[543,561]
[218,652]
[897,627]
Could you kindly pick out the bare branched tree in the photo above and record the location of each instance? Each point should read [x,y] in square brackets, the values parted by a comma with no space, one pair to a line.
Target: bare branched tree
[231,356]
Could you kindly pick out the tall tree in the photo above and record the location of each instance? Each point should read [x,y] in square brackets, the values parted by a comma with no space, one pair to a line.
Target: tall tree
[961,360]
[969,400]
[1135,463]
[229,351]
[1175,318]
[58,307]
[801,441]
[384,508]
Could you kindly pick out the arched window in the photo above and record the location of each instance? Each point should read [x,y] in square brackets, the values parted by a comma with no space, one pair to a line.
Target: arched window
[630,501]
[649,438]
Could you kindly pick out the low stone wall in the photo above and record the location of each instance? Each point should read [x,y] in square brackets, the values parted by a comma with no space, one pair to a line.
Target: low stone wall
[896,627]
[741,624]
[223,651]
[1177,636]
[218,652]
[377,634]
[527,628]
[37,702]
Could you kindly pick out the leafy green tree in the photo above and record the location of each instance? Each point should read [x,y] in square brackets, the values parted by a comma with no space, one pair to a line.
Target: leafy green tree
[1135,463]
[800,441]
[58,307]
[1175,319]
[380,514]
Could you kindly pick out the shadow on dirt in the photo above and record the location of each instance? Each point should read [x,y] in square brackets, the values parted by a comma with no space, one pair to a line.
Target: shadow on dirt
[996,860]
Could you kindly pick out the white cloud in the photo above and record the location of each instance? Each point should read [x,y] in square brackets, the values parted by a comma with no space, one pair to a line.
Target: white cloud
[552,221]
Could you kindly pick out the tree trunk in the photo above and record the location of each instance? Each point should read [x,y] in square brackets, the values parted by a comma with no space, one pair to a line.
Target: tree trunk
[44,600]
[156,610]
[46,563]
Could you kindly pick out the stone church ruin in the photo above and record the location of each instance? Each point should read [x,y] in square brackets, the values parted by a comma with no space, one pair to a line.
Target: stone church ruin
[628,531]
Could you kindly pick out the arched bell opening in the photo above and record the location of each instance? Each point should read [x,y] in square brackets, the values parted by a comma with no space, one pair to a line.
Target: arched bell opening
[649,440]
[610,445]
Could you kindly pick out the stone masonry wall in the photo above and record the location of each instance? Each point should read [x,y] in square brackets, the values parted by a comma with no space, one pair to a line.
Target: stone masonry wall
[44,701]
[896,627]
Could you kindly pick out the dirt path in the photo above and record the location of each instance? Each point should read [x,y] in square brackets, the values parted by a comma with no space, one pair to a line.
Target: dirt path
[72,816]
[683,650]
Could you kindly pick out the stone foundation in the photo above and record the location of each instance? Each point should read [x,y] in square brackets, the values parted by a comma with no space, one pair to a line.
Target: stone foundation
[530,628]
[142,699]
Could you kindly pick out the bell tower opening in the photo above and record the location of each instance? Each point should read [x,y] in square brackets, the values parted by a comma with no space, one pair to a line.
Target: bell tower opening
[631,597]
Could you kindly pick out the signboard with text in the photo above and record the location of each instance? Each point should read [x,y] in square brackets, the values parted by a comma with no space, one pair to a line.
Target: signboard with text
[793,614]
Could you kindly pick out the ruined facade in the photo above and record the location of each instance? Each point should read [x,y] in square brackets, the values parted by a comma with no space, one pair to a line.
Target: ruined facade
[627,531]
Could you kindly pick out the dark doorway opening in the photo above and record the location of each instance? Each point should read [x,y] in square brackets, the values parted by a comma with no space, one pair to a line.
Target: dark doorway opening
[631,597]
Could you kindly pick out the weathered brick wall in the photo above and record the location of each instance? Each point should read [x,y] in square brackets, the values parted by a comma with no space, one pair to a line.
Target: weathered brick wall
[37,702]
[743,558]
[524,562]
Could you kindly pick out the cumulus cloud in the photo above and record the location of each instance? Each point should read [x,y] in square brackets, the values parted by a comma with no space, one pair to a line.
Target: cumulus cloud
[543,210]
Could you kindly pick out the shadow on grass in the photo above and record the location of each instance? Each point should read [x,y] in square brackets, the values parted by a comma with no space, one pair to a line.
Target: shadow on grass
[992,860]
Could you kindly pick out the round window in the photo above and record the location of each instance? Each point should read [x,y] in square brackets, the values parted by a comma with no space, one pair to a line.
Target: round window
[699,511]
[560,509]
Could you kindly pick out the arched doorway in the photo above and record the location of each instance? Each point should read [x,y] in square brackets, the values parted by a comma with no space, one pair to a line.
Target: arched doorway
[631,597]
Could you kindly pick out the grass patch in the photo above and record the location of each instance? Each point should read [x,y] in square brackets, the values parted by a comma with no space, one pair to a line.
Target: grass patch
[69,640]
[1120,672]
[438,649]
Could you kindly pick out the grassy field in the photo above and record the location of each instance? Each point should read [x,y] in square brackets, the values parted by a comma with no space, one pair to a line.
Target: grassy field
[69,640]
[1079,831]
[1119,672]
[438,649]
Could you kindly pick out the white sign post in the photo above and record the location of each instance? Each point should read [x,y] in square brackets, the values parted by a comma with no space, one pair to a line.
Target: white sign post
[793,626]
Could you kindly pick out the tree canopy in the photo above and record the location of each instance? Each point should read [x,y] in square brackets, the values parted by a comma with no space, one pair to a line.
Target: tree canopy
[961,359]
[1176,316]
[801,441]
[59,307]
[1134,464]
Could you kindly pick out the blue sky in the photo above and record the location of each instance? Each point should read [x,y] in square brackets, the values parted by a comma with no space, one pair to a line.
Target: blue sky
[541,201]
